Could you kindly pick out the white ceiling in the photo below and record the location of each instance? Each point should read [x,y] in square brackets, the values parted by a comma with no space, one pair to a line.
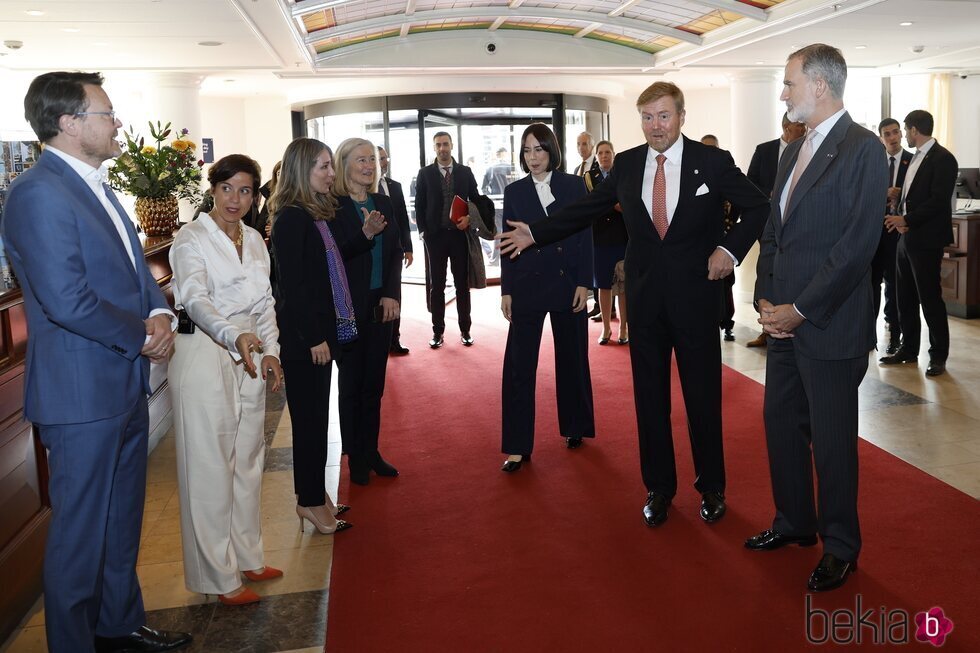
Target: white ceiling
[261,40]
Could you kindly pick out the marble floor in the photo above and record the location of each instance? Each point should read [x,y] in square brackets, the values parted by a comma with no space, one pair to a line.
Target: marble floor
[934,424]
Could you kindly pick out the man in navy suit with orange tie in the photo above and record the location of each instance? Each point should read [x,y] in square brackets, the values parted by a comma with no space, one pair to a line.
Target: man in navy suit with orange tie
[672,192]
[95,319]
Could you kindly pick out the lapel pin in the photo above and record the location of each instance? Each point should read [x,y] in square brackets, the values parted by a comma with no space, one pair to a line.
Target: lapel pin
[695,171]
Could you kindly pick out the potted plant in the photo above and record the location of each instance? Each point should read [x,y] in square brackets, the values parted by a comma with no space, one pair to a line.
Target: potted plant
[158,176]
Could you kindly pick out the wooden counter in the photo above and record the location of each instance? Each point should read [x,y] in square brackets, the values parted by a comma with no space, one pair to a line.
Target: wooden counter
[25,508]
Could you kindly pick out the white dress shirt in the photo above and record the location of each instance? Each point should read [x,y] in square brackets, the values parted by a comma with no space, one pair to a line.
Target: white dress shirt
[821,133]
[920,153]
[672,175]
[585,166]
[543,188]
[225,297]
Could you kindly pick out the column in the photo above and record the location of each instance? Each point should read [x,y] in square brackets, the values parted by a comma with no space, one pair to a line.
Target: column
[756,111]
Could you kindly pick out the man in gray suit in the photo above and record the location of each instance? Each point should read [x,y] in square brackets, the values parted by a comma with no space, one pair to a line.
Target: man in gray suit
[814,297]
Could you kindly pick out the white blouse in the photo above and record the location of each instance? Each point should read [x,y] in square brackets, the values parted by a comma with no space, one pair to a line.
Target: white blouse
[224,296]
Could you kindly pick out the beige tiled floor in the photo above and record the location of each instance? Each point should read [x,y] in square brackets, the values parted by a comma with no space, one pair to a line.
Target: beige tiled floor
[940,436]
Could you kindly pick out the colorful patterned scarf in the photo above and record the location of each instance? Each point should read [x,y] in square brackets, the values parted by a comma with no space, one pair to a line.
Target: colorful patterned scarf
[346,323]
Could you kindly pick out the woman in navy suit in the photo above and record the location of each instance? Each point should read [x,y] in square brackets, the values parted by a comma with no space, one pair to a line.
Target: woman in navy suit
[373,261]
[554,280]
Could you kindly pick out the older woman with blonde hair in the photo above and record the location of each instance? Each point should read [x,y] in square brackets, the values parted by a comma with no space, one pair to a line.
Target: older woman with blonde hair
[373,262]
[316,318]
[226,347]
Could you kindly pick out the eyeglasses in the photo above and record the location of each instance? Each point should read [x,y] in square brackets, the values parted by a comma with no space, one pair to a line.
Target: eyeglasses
[111,114]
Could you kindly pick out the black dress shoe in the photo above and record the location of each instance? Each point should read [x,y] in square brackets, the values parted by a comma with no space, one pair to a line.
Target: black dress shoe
[597,318]
[436,341]
[768,540]
[382,467]
[655,511]
[359,474]
[892,348]
[830,573]
[573,443]
[936,368]
[729,336]
[595,311]
[466,339]
[899,357]
[514,465]
[398,349]
[144,639]
[712,506]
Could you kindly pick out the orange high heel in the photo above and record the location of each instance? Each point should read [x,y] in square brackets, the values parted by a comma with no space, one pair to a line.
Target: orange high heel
[245,597]
[267,573]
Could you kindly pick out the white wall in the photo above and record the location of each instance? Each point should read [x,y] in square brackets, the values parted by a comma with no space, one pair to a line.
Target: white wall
[965,101]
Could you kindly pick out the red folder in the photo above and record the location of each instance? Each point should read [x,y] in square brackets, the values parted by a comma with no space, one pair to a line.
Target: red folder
[458,210]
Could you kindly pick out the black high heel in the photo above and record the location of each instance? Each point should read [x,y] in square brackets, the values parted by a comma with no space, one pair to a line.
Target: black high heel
[514,465]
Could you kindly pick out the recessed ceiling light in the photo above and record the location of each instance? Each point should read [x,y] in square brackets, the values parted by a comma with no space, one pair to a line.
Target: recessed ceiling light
[70,30]
[101,44]
[905,24]
[860,47]
[34,12]
[759,63]
[210,44]
[229,81]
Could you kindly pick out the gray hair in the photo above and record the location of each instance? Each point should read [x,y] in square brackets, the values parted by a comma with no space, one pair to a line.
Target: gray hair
[824,62]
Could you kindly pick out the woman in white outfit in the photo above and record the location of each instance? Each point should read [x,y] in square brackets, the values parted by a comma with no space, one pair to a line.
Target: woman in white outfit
[227,345]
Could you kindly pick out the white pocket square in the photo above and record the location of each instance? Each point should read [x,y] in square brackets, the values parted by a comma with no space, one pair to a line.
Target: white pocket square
[702,190]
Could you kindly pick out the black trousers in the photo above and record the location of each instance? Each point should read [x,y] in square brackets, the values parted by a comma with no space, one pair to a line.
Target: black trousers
[698,353]
[728,303]
[573,381]
[442,247]
[363,365]
[811,416]
[308,398]
[919,283]
[883,270]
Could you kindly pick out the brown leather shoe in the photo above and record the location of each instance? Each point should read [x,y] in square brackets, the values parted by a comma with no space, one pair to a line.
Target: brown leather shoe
[760,341]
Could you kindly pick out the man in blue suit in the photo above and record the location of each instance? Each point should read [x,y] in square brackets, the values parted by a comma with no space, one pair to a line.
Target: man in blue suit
[96,318]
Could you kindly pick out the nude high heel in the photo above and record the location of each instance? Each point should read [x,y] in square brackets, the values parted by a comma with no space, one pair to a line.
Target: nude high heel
[306,513]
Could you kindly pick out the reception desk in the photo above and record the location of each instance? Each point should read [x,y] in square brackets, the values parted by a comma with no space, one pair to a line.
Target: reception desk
[25,508]
[960,272]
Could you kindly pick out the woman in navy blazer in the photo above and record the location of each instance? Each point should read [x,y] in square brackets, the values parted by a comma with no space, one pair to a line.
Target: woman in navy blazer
[373,262]
[554,280]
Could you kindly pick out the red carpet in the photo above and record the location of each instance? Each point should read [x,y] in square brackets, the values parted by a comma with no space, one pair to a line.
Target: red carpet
[456,556]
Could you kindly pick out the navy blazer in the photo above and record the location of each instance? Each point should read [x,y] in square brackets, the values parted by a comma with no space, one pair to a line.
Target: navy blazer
[85,302]
[671,275]
[545,277]
[428,194]
[929,201]
[819,256]
[356,249]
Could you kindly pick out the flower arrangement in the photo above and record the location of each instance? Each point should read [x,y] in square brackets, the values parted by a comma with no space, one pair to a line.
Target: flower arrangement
[148,171]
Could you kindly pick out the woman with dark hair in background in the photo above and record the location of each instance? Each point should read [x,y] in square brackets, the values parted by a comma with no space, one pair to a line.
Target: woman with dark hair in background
[373,258]
[227,344]
[554,279]
[315,316]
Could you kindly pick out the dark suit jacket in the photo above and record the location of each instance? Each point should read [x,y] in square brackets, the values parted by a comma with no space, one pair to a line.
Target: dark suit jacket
[929,201]
[545,277]
[401,213]
[762,167]
[593,168]
[304,297]
[428,194]
[610,228]
[671,275]
[819,257]
[85,301]
[356,249]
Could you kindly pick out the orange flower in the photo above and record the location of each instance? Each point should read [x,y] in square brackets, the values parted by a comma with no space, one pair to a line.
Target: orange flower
[181,145]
